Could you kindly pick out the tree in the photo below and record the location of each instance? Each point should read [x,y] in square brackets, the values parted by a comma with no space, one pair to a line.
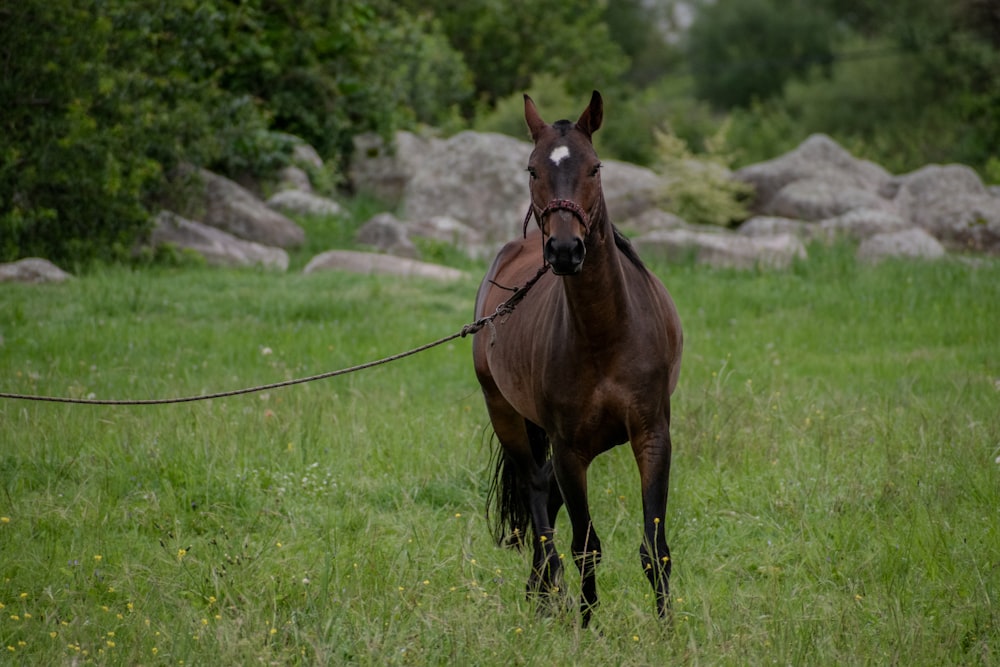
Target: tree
[745,50]
[505,43]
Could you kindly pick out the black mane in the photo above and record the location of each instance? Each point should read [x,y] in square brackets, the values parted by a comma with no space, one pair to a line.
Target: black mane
[626,248]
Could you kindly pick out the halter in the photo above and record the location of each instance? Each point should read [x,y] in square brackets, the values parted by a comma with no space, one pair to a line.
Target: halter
[559,205]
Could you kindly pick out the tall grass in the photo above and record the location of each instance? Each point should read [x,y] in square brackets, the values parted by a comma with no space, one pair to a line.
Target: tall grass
[835,493]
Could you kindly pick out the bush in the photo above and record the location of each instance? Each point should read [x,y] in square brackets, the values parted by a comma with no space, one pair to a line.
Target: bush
[699,188]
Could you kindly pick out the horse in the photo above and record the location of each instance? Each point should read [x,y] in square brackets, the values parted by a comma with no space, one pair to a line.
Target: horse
[587,361]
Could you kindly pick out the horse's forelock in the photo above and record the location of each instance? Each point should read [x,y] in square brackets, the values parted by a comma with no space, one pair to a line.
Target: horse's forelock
[564,126]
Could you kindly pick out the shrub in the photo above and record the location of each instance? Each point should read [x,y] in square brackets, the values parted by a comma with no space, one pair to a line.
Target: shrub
[699,188]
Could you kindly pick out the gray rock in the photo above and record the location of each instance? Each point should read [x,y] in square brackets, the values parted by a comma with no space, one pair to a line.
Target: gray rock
[817,198]
[384,170]
[952,204]
[863,223]
[234,209]
[479,180]
[912,243]
[629,190]
[445,229]
[303,203]
[722,249]
[764,225]
[217,247]
[32,270]
[387,234]
[818,158]
[293,178]
[651,220]
[371,263]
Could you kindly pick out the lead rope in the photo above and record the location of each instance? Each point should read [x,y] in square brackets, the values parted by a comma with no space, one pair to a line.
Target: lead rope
[505,308]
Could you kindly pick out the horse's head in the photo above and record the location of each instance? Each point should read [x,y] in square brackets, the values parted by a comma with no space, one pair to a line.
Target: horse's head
[565,183]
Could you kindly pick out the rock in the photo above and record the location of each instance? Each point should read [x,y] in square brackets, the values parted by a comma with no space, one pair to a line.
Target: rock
[217,247]
[763,225]
[293,178]
[305,155]
[952,204]
[913,242]
[234,209]
[478,179]
[863,223]
[32,270]
[371,263]
[303,203]
[384,170]
[818,158]
[454,232]
[652,219]
[817,199]
[629,190]
[722,249]
[387,234]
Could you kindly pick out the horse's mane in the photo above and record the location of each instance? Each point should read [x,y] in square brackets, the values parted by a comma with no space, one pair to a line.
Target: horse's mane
[626,248]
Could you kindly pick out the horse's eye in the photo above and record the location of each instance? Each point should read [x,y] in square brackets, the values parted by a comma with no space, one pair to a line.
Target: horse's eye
[532,172]
[597,168]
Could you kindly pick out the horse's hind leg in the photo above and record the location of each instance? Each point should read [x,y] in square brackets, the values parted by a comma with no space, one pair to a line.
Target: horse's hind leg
[571,473]
[653,456]
[524,451]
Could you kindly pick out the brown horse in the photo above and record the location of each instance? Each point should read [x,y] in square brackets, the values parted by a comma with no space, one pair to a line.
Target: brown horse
[587,361]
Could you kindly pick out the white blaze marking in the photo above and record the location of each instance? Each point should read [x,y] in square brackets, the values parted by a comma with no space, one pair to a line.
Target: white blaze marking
[559,153]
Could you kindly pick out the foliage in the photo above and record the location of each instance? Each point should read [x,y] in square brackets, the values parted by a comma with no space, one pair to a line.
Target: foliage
[699,189]
[746,50]
[506,43]
[833,499]
[912,82]
[101,114]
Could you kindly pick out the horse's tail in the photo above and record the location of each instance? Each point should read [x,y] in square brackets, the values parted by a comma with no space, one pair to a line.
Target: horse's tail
[510,518]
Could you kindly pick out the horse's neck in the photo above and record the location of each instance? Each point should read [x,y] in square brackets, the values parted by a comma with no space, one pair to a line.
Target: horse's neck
[597,298]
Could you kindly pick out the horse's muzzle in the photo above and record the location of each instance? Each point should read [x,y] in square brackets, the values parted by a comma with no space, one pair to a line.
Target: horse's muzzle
[565,256]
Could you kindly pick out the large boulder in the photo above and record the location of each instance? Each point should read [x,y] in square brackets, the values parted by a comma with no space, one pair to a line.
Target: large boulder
[952,204]
[722,249]
[383,170]
[445,229]
[768,225]
[478,179]
[387,234]
[829,167]
[234,209]
[818,198]
[913,243]
[629,190]
[862,223]
[303,202]
[32,270]
[372,263]
[216,246]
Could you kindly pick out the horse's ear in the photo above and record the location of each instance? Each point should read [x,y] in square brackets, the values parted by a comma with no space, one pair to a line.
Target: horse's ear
[590,119]
[535,122]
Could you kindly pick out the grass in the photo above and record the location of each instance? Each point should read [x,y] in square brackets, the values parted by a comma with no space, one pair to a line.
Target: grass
[835,496]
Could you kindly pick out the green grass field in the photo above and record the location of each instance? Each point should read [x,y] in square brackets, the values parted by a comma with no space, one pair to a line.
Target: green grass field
[835,496]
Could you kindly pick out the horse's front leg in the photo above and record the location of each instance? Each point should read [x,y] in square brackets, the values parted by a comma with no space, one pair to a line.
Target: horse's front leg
[571,473]
[652,454]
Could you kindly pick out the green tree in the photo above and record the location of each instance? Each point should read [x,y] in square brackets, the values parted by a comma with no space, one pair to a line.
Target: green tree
[104,98]
[505,43]
[745,50]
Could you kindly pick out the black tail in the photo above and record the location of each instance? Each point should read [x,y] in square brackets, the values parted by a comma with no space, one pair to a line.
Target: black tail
[510,518]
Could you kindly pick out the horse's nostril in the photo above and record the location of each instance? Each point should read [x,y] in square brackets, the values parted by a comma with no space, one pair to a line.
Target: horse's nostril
[565,256]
